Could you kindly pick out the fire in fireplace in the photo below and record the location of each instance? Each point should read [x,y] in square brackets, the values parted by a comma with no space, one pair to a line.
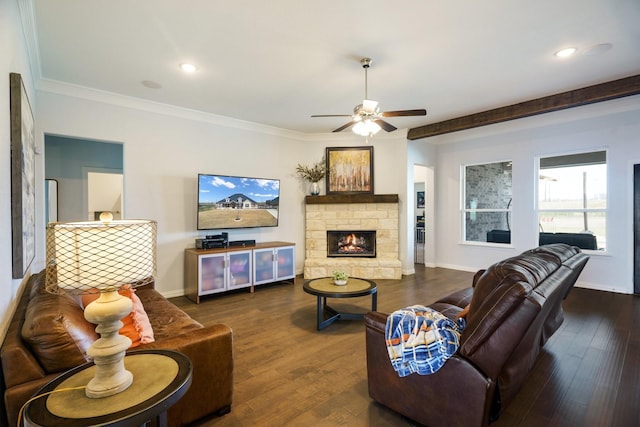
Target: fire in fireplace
[351,244]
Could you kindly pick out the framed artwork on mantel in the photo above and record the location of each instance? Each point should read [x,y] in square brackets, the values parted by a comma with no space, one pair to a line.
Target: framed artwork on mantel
[349,170]
[22,177]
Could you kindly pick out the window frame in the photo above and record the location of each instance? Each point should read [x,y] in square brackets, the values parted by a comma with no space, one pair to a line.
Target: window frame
[539,212]
[472,212]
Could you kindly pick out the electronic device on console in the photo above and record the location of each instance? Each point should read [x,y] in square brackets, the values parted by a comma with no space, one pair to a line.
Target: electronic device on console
[242,243]
[213,241]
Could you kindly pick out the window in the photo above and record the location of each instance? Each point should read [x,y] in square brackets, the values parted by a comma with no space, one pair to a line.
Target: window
[572,200]
[487,203]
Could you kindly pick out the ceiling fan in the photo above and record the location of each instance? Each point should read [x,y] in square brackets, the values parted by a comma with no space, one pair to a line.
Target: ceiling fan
[367,118]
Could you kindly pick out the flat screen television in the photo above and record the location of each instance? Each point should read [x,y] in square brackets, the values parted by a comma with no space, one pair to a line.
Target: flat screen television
[237,202]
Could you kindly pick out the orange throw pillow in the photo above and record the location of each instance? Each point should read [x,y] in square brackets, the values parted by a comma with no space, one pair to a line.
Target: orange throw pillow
[136,324]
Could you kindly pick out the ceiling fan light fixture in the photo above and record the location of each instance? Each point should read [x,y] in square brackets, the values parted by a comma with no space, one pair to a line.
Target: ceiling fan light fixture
[366,119]
[366,127]
[370,106]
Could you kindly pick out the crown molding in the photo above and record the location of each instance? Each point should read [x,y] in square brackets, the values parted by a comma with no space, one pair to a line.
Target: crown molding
[105,97]
[96,95]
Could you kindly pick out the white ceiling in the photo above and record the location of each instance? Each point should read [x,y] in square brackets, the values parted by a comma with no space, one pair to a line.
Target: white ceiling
[278,62]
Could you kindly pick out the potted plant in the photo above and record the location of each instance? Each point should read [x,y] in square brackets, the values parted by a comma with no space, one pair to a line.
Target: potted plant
[313,174]
[340,277]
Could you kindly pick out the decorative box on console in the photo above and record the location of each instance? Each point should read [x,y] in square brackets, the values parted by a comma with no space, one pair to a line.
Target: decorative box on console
[359,243]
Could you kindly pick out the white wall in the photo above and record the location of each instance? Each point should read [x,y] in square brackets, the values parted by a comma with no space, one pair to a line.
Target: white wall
[165,148]
[613,125]
[12,60]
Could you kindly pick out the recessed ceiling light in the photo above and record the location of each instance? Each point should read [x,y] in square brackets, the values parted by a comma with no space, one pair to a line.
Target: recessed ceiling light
[563,53]
[151,84]
[188,68]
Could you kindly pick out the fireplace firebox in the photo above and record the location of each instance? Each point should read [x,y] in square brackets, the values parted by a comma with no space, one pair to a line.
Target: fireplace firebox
[351,243]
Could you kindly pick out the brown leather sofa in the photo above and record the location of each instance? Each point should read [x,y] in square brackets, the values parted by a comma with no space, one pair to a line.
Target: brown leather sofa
[62,335]
[515,306]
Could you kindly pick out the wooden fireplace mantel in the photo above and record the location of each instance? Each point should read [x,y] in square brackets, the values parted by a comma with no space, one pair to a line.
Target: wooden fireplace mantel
[351,198]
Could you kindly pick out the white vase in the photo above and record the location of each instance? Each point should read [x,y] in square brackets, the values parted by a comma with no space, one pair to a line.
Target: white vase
[315,189]
[340,282]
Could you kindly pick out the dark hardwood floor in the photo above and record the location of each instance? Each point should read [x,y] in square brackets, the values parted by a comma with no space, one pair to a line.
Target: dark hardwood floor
[288,374]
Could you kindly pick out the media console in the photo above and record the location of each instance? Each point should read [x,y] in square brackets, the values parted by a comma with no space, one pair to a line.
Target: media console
[210,271]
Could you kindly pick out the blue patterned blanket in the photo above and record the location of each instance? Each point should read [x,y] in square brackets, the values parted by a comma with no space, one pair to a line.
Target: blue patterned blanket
[420,339]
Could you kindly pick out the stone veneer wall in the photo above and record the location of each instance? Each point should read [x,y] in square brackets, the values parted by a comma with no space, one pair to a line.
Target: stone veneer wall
[352,216]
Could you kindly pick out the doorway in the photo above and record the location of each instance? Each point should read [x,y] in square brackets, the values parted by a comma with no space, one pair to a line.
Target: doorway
[69,161]
[424,212]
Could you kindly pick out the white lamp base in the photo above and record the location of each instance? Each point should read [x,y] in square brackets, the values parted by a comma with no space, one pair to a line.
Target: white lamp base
[108,351]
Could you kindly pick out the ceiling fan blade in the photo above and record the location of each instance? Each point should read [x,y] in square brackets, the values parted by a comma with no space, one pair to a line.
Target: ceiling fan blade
[386,126]
[343,127]
[421,112]
[331,115]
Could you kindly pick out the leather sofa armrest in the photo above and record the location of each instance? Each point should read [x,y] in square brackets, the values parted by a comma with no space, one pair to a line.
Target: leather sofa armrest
[16,355]
[18,395]
[210,350]
[211,338]
[376,320]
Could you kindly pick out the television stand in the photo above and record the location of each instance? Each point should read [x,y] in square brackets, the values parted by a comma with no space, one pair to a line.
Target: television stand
[211,271]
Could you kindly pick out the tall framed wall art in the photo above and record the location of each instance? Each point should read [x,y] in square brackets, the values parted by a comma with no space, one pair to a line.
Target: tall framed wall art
[22,177]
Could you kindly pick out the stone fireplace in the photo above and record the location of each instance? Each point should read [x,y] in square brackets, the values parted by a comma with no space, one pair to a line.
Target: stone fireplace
[343,215]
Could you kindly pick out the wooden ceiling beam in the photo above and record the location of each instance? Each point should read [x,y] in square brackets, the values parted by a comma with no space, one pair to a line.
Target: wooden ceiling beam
[574,98]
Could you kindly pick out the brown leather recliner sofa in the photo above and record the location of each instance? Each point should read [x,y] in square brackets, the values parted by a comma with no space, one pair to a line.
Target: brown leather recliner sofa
[515,306]
[62,335]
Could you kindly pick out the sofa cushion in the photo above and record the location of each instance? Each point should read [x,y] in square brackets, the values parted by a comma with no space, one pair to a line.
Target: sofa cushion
[57,332]
[167,319]
[460,298]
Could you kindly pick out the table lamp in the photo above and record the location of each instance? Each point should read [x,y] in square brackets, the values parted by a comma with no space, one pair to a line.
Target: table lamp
[101,257]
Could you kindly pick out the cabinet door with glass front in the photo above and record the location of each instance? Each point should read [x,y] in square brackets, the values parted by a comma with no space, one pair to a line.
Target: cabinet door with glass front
[263,271]
[211,273]
[239,272]
[273,264]
[285,263]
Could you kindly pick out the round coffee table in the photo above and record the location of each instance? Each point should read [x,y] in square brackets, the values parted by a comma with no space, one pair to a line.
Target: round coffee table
[324,288]
[160,379]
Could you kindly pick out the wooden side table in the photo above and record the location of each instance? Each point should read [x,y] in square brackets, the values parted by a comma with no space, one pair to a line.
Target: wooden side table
[160,379]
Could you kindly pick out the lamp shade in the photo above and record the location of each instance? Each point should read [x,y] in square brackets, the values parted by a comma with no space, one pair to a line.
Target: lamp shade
[85,257]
